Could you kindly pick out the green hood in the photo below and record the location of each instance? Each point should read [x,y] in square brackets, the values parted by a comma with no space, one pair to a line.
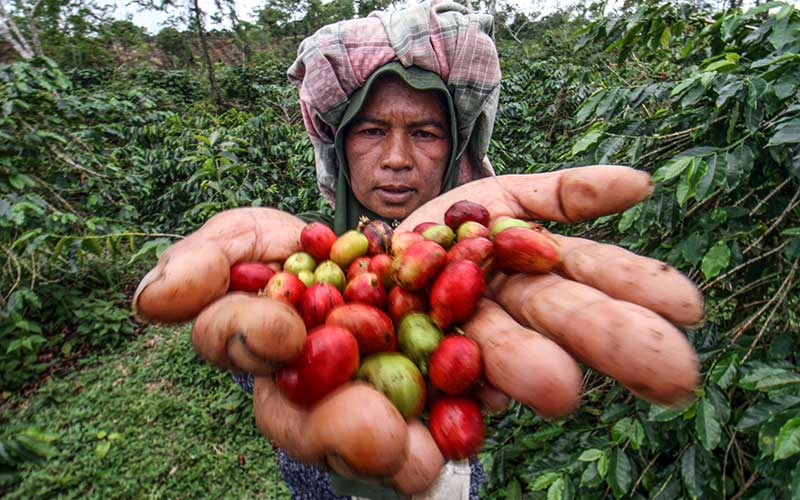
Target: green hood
[348,209]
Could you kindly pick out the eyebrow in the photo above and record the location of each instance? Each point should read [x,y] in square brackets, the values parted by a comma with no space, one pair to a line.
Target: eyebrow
[420,123]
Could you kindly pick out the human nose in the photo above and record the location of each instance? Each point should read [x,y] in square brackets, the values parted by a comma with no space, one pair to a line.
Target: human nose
[398,152]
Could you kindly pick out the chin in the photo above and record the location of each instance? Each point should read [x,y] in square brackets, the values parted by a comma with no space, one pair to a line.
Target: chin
[393,211]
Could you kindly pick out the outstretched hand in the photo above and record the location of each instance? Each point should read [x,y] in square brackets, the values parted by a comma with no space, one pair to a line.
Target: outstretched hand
[605,306]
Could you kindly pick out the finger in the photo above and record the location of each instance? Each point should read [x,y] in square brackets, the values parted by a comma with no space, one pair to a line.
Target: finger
[247,333]
[422,463]
[254,234]
[632,344]
[624,275]
[492,399]
[195,271]
[524,364]
[359,427]
[190,274]
[568,195]
[283,423]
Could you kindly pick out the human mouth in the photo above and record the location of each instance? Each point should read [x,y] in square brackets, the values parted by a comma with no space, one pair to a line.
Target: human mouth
[395,193]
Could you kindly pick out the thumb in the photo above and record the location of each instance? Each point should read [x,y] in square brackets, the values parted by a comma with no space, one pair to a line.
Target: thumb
[195,271]
[190,274]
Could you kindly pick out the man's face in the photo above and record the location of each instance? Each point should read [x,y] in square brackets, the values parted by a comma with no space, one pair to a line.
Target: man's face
[397,148]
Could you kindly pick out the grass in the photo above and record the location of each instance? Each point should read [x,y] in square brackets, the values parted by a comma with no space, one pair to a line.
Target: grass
[148,421]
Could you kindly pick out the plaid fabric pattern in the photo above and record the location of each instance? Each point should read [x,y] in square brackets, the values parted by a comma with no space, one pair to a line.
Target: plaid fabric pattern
[435,35]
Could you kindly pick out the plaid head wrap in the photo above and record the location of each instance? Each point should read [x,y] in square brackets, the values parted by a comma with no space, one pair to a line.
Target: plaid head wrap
[435,35]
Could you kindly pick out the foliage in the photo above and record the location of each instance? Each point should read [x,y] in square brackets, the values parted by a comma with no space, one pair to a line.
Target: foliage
[149,421]
[23,446]
[101,169]
[709,103]
[86,175]
[175,45]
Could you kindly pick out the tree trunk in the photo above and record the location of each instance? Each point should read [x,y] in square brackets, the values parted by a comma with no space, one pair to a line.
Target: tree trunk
[212,80]
[37,46]
[12,35]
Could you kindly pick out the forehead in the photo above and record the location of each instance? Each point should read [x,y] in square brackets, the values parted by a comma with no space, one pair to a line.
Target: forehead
[391,95]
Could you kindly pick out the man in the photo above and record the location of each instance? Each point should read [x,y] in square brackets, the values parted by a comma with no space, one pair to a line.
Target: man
[400,107]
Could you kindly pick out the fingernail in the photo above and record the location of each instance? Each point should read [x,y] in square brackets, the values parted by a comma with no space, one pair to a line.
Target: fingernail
[650,184]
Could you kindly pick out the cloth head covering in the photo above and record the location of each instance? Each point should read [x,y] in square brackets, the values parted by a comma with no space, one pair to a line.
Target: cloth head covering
[438,36]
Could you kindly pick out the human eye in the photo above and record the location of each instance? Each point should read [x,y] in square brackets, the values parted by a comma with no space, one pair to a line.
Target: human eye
[425,134]
[372,132]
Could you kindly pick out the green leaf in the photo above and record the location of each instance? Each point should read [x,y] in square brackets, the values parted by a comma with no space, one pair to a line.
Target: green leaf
[690,473]
[785,86]
[707,424]
[663,413]
[585,142]
[26,236]
[715,260]
[756,415]
[102,448]
[620,472]
[21,181]
[713,177]
[720,402]
[513,490]
[788,441]
[92,245]
[608,104]
[740,162]
[556,490]
[590,455]
[792,248]
[721,66]
[588,106]
[726,92]
[695,247]
[602,465]
[682,192]
[157,246]
[543,481]
[629,217]
[608,148]
[665,36]
[685,84]
[590,477]
[35,445]
[724,372]
[787,133]
[535,440]
[672,169]
[60,245]
[768,378]
[627,429]
[781,34]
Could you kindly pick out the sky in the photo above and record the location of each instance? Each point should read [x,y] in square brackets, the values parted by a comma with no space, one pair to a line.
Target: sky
[154,20]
